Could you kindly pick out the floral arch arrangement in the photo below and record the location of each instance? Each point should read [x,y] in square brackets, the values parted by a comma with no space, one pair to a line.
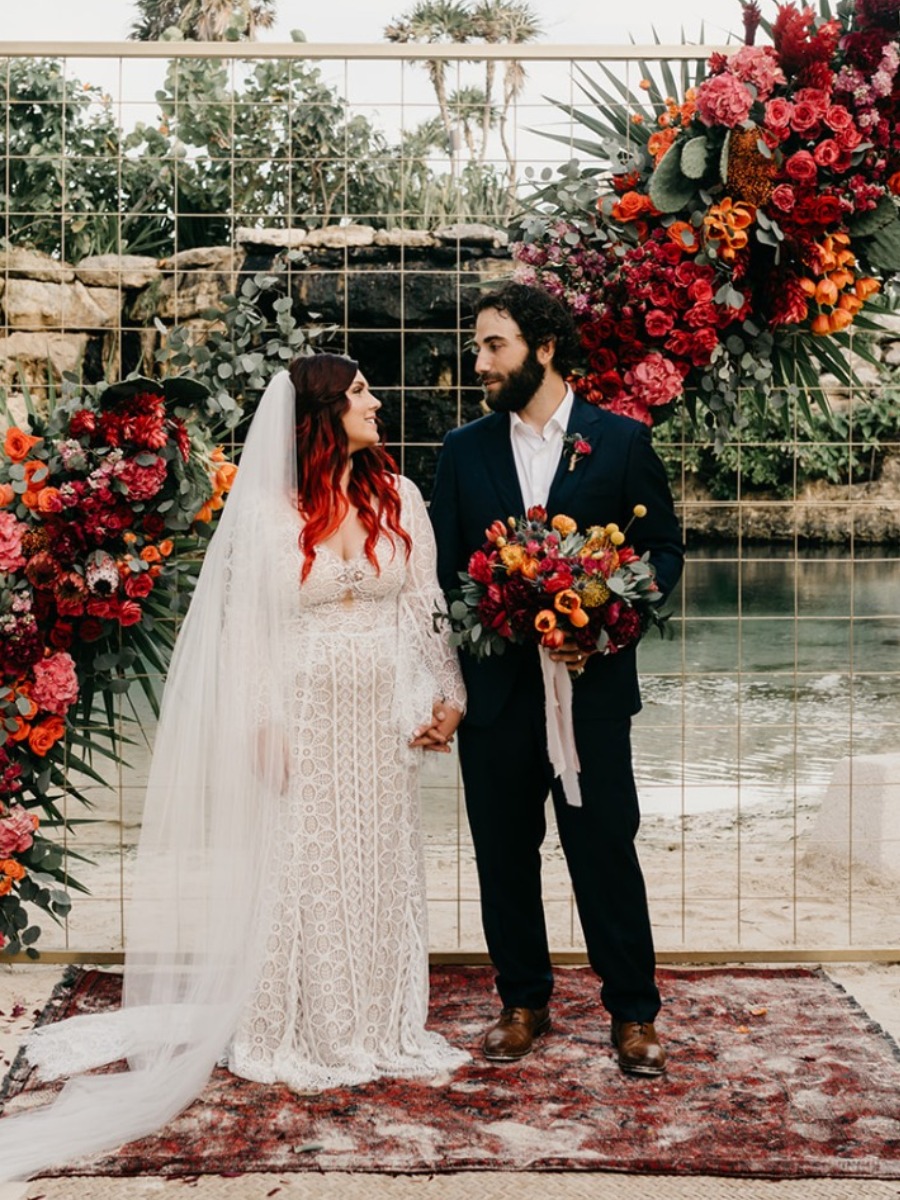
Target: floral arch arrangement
[104,502]
[741,232]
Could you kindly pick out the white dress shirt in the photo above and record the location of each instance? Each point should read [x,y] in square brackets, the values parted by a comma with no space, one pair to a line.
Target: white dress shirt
[537,454]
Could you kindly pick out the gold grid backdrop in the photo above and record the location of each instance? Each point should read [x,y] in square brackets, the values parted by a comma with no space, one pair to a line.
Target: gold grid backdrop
[768,751]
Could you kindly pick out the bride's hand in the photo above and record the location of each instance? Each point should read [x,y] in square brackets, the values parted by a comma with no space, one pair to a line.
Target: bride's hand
[439,734]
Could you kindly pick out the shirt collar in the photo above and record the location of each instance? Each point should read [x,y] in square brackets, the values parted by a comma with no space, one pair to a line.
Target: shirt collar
[560,418]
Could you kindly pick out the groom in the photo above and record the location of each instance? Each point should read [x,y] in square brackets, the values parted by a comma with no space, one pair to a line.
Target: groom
[523,454]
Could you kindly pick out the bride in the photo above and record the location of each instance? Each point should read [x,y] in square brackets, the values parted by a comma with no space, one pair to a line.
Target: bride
[278,919]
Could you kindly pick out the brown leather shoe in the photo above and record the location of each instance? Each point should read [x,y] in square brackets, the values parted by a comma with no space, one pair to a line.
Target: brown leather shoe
[513,1035]
[638,1048]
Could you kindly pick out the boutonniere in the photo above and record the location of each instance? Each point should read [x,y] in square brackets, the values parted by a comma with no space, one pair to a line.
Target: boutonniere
[577,448]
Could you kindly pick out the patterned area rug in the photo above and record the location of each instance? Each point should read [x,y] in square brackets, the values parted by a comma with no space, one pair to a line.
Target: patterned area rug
[773,1073]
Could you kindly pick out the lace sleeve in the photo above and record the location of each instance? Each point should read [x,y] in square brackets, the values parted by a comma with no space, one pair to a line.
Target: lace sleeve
[422,598]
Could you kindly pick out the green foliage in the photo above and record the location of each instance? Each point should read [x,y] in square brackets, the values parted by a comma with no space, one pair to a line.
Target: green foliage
[255,334]
[61,150]
[776,455]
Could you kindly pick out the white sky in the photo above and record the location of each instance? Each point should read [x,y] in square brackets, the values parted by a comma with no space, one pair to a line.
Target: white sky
[565,21]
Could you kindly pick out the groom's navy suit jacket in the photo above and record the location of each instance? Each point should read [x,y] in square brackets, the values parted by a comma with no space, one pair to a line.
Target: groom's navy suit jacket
[476,483]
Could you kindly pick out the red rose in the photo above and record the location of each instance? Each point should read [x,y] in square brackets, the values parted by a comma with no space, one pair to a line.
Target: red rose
[837,117]
[106,609]
[602,360]
[827,152]
[700,291]
[129,613]
[658,323]
[480,567]
[679,343]
[801,167]
[828,209]
[153,525]
[138,585]
[90,629]
[805,119]
[783,197]
[61,635]
[703,343]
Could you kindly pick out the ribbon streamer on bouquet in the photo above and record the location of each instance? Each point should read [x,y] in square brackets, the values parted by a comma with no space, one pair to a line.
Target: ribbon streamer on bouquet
[560,728]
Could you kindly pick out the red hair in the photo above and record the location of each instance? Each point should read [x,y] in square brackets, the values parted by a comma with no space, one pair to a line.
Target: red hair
[321,383]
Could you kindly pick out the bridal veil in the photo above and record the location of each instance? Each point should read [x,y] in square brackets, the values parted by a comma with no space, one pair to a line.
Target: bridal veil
[196,917]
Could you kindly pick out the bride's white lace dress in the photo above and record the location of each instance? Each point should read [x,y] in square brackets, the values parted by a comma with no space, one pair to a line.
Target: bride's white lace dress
[343,991]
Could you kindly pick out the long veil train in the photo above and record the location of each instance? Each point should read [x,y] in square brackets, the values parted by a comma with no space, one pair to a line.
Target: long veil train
[193,930]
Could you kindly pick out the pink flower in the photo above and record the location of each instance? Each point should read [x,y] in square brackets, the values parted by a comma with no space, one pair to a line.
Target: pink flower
[783,198]
[658,323]
[11,530]
[758,66]
[837,117]
[801,167]
[141,482]
[827,153]
[805,119]
[655,380]
[723,100]
[55,683]
[16,831]
[778,115]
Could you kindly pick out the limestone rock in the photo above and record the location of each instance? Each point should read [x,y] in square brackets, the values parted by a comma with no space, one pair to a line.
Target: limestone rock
[412,239]
[281,239]
[340,237]
[32,264]
[118,270]
[218,258]
[34,352]
[472,234]
[35,304]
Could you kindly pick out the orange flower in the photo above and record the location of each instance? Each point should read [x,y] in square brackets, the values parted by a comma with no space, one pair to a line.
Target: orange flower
[727,223]
[840,318]
[821,326]
[166,547]
[530,568]
[11,868]
[579,618]
[866,286]
[629,206]
[545,621]
[32,707]
[205,514]
[150,554]
[21,732]
[660,141]
[39,469]
[7,495]
[512,558]
[826,292]
[5,885]
[566,601]
[218,455]
[46,734]
[563,524]
[18,444]
[893,183]
[225,477]
[48,499]
[684,235]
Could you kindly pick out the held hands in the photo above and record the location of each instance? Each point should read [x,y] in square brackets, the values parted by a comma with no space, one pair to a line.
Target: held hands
[439,734]
[570,653]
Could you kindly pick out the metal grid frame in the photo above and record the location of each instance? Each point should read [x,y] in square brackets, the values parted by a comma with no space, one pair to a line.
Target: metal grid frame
[837,916]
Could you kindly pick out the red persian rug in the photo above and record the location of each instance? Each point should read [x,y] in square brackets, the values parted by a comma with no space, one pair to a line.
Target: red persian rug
[774,1073]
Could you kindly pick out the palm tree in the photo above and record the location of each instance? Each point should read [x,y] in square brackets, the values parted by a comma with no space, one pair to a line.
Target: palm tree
[435,21]
[500,21]
[202,20]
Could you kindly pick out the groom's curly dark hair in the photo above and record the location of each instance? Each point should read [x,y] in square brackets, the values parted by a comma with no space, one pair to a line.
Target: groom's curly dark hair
[540,317]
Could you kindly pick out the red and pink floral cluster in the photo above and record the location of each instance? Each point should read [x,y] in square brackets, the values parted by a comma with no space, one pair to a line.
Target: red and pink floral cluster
[89,504]
[753,207]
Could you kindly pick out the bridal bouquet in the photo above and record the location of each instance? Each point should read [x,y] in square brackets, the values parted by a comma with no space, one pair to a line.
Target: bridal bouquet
[728,238]
[543,582]
[99,500]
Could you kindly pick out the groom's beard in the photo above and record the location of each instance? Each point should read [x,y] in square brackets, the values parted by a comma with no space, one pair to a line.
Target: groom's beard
[518,387]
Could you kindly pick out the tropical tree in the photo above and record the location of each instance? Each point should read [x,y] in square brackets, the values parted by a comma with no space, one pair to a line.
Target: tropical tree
[463,22]
[202,20]
[435,21]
